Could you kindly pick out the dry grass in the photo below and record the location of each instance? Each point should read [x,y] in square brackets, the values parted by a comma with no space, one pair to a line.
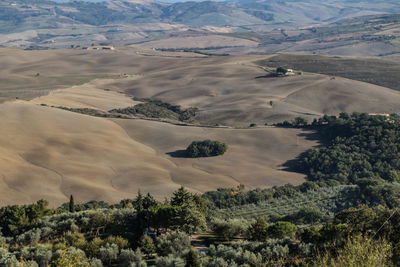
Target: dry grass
[52,153]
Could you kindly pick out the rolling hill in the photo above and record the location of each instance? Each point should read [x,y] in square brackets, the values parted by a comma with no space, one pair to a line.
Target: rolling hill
[49,151]
[46,24]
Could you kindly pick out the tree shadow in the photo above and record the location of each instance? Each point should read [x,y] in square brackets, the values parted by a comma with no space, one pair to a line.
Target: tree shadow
[268,75]
[294,165]
[178,154]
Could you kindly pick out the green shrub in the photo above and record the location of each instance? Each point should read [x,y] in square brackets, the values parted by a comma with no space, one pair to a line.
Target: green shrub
[282,229]
[206,148]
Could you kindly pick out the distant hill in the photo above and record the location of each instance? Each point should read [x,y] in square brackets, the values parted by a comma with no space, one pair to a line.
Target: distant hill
[62,23]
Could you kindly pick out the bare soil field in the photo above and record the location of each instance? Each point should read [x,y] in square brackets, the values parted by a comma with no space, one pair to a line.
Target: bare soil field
[51,153]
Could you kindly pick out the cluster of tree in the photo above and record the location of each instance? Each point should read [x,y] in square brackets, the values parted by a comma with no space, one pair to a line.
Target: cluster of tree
[298,122]
[185,211]
[206,148]
[99,234]
[143,231]
[157,109]
[230,197]
[281,71]
[259,230]
[357,147]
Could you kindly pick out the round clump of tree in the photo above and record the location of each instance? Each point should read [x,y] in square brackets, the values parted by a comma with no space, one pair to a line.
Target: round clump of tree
[281,71]
[206,148]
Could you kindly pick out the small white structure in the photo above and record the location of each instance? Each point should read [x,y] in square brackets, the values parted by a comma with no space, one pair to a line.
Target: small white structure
[290,72]
[101,48]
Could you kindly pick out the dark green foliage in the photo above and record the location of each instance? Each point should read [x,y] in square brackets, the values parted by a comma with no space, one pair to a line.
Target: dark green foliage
[258,230]
[229,197]
[185,212]
[281,71]
[206,148]
[229,229]
[91,205]
[181,197]
[192,259]
[358,146]
[71,206]
[158,109]
[307,216]
[281,230]
[173,243]
[14,219]
[298,122]
[147,245]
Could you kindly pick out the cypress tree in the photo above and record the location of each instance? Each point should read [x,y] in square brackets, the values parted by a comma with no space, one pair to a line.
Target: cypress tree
[71,204]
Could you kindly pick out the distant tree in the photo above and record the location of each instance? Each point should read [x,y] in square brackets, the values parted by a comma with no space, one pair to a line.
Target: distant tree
[146,244]
[168,261]
[359,251]
[299,122]
[108,254]
[192,259]
[228,229]
[282,229]
[131,258]
[173,243]
[139,202]
[181,196]
[71,204]
[149,201]
[258,230]
[281,71]
[71,257]
[206,148]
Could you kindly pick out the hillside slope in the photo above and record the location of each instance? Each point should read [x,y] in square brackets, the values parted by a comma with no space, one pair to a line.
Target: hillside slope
[55,153]
[48,24]
[48,152]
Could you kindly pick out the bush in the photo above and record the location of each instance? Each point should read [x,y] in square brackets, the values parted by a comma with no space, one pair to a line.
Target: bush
[174,243]
[132,258]
[228,229]
[359,251]
[258,230]
[206,148]
[282,229]
[108,254]
[147,245]
[169,261]
[70,257]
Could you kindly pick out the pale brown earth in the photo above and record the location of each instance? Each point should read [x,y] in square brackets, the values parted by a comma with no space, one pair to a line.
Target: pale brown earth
[86,96]
[228,90]
[51,153]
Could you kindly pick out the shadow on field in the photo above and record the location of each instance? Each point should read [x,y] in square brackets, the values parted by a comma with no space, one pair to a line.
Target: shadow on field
[295,165]
[178,154]
[269,75]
